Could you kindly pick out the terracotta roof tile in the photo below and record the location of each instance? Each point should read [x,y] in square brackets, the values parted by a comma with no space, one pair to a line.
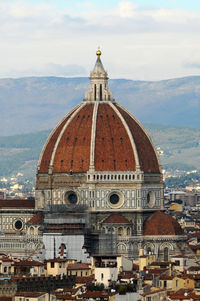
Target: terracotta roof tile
[37,219]
[73,151]
[28,263]
[6,298]
[78,266]
[116,218]
[56,260]
[90,279]
[194,268]
[17,203]
[48,149]
[153,292]
[146,153]
[30,294]
[160,223]
[6,259]
[113,150]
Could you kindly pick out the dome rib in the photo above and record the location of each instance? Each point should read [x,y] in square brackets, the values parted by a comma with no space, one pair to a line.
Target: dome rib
[98,136]
[73,148]
[93,135]
[62,132]
[129,134]
[113,150]
[45,157]
[148,157]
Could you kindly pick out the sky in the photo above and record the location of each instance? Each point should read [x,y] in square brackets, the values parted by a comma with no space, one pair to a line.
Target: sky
[139,39]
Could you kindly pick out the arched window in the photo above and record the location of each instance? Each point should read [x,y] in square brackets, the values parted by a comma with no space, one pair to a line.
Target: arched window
[128,231]
[121,247]
[120,231]
[95,92]
[100,91]
[148,250]
[42,199]
[166,254]
[31,231]
[103,229]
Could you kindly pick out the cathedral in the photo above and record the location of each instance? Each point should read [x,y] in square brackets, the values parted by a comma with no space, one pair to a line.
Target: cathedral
[99,184]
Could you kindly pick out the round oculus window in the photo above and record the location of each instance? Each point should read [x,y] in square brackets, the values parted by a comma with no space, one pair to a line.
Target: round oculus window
[71,197]
[114,199]
[151,198]
[18,225]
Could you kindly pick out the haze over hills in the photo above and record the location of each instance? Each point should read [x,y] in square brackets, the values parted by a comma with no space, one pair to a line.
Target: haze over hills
[37,103]
[179,148]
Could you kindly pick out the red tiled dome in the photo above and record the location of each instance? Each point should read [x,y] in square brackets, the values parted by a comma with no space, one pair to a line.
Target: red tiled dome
[160,223]
[101,134]
[116,218]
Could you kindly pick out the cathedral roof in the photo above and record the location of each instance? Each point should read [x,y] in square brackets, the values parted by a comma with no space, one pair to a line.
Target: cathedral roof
[107,137]
[98,68]
[160,223]
[17,203]
[116,218]
[37,219]
[98,135]
[27,262]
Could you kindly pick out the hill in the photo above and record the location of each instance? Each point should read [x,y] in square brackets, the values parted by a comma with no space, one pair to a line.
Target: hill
[37,103]
[178,148]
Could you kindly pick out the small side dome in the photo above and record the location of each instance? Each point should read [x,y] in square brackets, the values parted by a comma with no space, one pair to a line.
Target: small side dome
[160,223]
[116,218]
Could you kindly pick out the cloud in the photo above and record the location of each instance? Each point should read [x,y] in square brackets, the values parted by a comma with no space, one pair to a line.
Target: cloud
[140,43]
[192,65]
[126,9]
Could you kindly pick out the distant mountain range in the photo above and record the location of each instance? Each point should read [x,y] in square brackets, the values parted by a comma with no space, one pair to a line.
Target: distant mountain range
[37,103]
[179,148]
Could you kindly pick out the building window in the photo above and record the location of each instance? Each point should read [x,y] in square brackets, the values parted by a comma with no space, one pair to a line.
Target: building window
[114,198]
[100,91]
[18,225]
[71,197]
[52,265]
[120,231]
[31,231]
[95,92]
[148,250]
[166,257]
[101,276]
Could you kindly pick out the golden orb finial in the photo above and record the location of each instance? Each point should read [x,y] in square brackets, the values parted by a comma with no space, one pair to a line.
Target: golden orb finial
[98,53]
